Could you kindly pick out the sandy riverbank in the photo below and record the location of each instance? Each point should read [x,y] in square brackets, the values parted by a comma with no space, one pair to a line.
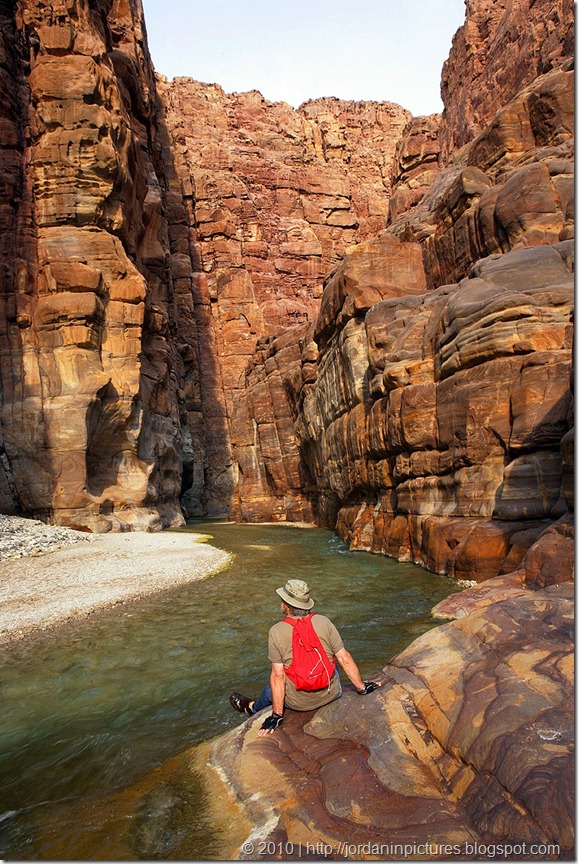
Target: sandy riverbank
[40,591]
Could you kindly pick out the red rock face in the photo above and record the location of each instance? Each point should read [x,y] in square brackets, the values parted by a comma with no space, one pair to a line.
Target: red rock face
[417,161]
[511,187]
[274,196]
[430,419]
[434,423]
[502,47]
[467,744]
[185,308]
[436,418]
[90,413]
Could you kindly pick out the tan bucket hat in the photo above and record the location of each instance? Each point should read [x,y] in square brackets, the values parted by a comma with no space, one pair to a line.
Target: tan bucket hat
[296,593]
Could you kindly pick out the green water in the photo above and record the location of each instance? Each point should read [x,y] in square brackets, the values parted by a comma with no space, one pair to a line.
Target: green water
[98,704]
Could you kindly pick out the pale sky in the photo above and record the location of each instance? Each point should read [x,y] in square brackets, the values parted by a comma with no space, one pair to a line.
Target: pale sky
[294,50]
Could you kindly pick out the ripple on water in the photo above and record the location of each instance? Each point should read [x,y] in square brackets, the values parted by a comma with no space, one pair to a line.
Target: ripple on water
[93,707]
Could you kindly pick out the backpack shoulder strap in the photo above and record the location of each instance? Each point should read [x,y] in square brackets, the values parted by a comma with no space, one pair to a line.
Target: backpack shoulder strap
[295,621]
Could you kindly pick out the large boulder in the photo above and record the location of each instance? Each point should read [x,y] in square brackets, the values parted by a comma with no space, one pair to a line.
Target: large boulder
[467,744]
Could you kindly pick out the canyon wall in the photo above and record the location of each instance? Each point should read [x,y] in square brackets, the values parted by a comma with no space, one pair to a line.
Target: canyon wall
[331,314]
[274,197]
[432,398]
[500,49]
[91,413]
[439,424]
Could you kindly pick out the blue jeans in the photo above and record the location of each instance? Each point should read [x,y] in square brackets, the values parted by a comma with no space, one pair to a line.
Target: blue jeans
[266,697]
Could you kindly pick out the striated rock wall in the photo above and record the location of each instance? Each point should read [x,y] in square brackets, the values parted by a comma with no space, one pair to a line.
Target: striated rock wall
[274,197]
[433,395]
[468,742]
[417,162]
[89,367]
[512,187]
[167,329]
[501,48]
[435,422]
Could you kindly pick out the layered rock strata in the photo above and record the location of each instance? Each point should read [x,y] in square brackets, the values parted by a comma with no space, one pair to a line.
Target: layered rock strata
[501,48]
[433,395]
[467,744]
[91,417]
[274,197]
[512,186]
[166,328]
[417,162]
[451,454]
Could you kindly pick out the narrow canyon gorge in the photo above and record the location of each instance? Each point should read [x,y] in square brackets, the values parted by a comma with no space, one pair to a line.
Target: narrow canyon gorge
[343,315]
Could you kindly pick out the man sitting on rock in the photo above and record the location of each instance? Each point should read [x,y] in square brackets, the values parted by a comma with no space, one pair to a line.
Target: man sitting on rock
[313,636]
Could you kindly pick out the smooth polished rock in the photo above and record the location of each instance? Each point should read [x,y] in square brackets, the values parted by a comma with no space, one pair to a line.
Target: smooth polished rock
[469,739]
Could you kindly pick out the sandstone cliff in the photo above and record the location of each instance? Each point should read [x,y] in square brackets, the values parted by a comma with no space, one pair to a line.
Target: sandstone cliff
[182,316]
[431,399]
[274,197]
[341,314]
[90,313]
[501,48]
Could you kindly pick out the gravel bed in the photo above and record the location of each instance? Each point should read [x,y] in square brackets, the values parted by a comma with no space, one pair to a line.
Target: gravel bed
[50,574]
[20,537]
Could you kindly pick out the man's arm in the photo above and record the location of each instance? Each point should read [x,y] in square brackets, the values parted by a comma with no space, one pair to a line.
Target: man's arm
[349,666]
[278,687]
[277,681]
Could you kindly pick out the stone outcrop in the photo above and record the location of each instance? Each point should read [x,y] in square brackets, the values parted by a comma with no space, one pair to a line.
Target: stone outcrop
[273,198]
[201,296]
[417,161]
[501,48]
[468,741]
[435,421]
[512,186]
[433,393]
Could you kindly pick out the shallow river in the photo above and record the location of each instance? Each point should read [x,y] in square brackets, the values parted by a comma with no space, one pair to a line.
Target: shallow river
[96,706]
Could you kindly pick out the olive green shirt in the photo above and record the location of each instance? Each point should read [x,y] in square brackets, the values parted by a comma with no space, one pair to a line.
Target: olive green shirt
[281,651]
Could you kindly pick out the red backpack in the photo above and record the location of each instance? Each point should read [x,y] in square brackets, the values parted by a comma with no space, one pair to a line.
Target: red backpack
[310,668]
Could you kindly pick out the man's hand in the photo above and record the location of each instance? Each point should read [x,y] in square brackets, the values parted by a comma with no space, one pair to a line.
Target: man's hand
[370,686]
[270,723]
